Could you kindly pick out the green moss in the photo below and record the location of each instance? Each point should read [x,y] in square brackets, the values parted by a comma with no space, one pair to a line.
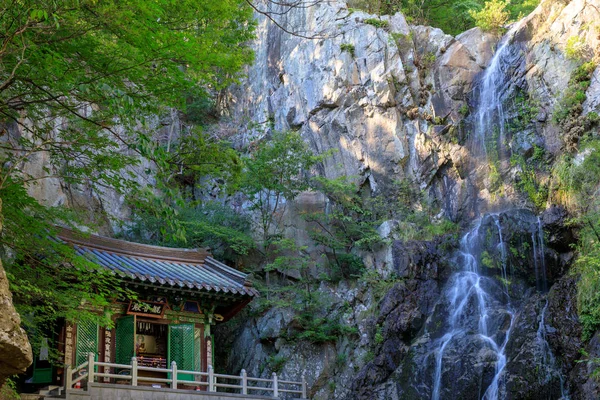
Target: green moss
[576,48]
[377,23]
[570,107]
[348,47]
[578,185]
[379,335]
[427,60]
[276,363]
[368,357]
[487,260]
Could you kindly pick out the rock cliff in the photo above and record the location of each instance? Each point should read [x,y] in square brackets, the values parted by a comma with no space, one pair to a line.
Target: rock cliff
[392,101]
[395,101]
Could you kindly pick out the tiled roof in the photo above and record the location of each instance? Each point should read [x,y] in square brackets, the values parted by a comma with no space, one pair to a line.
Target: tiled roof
[161,266]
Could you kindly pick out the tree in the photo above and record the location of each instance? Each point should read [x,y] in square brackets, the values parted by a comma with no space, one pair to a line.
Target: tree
[276,171]
[492,17]
[452,16]
[82,83]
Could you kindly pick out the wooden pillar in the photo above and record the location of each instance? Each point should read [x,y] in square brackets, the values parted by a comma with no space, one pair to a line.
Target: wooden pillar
[107,351]
[69,344]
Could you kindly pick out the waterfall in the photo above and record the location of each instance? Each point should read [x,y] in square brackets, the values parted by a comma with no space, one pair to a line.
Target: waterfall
[489,117]
[540,258]
[502,247]
[465,290]
[472,300]
[549,362]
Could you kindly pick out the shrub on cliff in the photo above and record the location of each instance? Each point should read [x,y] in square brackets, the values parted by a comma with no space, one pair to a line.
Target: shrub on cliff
[492,17]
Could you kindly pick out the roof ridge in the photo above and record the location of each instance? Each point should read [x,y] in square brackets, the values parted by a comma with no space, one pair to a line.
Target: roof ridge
[140,250]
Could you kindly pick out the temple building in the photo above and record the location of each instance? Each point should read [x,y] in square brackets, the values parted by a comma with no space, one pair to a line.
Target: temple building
[181,295]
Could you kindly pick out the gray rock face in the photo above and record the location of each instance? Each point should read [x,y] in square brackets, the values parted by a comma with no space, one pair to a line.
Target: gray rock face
[15,350]
[370,94]
[393,103]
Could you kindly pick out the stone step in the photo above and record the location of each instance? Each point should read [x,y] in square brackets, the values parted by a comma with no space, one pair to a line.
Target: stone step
[31,396]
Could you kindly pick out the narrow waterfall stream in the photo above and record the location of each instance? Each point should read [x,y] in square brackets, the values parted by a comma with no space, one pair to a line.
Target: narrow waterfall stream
[537,238]
[480,316]
[477,307]
[549,362]
[465,290]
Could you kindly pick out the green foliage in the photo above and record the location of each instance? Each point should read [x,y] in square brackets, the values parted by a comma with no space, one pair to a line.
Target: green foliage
[209,224]
[574,96]
[348,225]
[492,17]
[319,330]
[341,361]
[368,357]
[568,110]
[525,110]
[578,184]
[379,335]
[576,48]
[528,181]
[427,60]
[83,82]
[348,47]
[8,391]
[200,107]
[464,110]
[276,363]
[593,117]
[487,260]
[48,280]
[588,287]
[378,285]
[452,16]
[377,23]
[276,171]
[492,147]
[414,215]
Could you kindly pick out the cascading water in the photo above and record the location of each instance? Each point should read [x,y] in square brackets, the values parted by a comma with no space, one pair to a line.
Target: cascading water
[539,259]
[489,117]
[475,304]
[548,361]
[465,291]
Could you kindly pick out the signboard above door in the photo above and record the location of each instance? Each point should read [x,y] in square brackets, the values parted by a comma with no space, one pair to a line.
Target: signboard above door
[142,308]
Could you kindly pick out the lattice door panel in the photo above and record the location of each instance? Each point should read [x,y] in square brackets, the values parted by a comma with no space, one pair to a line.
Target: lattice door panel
[87,341]
[181,348]
[124,340]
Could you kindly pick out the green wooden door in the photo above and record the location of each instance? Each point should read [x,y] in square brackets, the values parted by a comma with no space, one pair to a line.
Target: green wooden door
[124,339]
[87,341]
[42,369]
[182,349]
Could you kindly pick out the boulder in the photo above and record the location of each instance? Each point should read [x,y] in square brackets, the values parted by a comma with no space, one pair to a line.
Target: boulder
[15,350]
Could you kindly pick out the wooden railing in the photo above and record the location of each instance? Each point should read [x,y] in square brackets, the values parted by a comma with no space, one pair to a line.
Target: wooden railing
[209,379]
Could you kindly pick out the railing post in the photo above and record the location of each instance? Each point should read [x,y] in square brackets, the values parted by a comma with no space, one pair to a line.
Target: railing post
[304,387]
[134,371]
[68,378]
[173,375]
[275,386]
[211,379]
[244,382]
[90,369]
